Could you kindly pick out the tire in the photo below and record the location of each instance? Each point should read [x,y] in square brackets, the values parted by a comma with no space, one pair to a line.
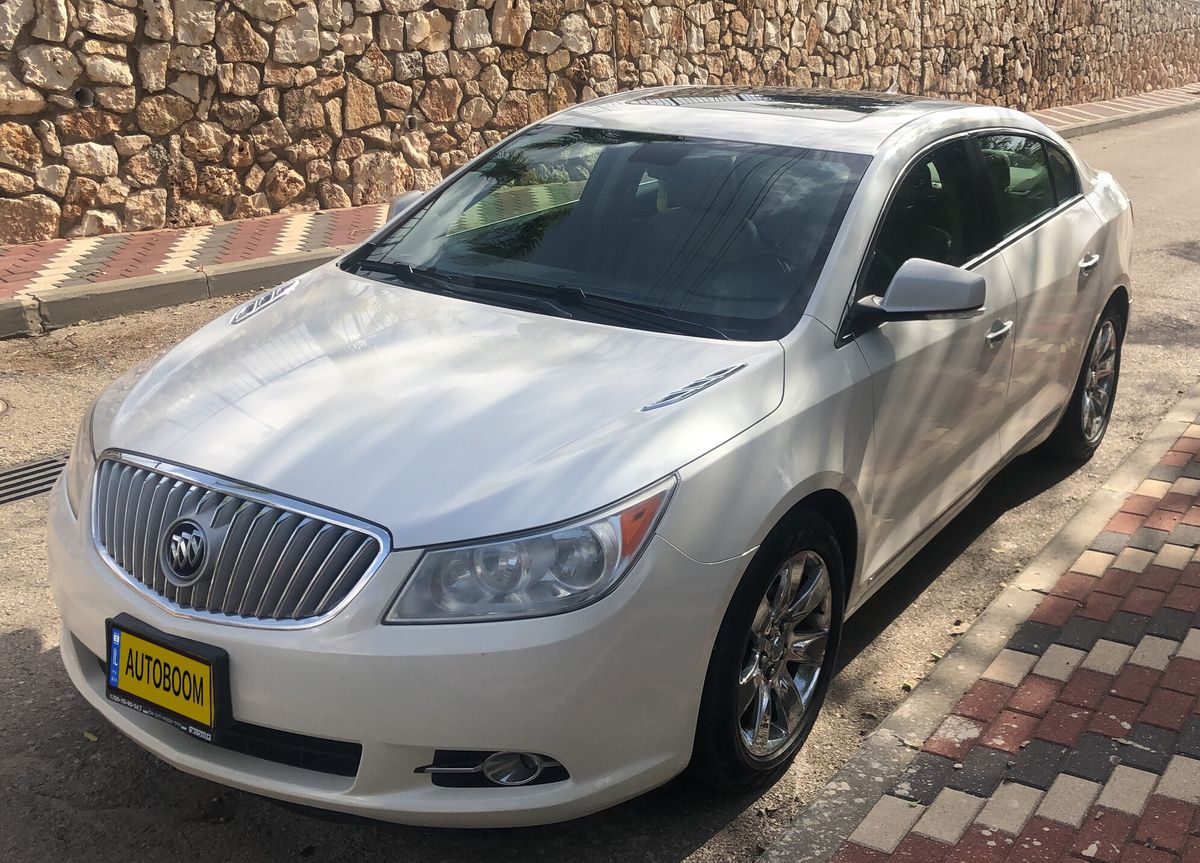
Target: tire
[1082,426]
[727,756]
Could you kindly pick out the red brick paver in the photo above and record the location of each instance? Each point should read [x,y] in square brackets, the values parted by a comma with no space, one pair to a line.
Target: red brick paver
[1103,763]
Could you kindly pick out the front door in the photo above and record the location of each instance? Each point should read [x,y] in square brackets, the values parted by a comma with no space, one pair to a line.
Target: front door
[939,386]
[1052,238]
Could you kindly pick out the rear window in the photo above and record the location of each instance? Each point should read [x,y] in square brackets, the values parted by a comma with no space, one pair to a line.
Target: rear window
[1062,172]
[1019,173]
[726,234]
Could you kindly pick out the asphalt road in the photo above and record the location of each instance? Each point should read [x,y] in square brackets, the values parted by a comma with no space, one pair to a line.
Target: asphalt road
[72,788]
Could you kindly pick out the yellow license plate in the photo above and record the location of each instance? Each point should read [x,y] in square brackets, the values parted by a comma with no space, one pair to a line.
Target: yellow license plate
[160,681]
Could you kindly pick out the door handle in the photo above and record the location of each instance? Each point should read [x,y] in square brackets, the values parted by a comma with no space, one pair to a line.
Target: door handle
[999,334]
[1089,263]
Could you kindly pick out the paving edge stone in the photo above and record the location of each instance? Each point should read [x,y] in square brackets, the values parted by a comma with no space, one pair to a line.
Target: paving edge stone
[61,307]
[823,826]
[18,318]
[54,308]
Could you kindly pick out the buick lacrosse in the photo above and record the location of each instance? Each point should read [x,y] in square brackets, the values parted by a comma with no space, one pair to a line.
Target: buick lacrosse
[568,479]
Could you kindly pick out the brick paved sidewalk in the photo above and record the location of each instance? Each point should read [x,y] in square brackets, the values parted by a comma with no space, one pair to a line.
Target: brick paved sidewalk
[36,267]
[1081,741]
[1078,118]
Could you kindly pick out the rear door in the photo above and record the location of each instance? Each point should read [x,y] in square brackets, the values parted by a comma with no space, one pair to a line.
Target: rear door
[1051,246]
[940,385]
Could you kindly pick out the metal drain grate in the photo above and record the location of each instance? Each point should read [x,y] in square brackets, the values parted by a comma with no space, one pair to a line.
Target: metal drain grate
[32,478]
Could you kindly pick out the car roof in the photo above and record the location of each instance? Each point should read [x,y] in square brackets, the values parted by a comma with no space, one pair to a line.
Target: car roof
[839,120]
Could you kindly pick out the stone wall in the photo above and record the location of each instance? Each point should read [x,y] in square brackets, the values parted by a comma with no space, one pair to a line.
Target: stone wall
[139,114]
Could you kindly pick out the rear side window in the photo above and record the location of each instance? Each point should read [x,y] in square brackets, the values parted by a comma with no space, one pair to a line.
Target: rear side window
[1062,172]
[933,215]
[1018,171]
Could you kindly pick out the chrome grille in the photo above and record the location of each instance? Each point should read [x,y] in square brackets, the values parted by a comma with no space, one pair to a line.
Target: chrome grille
[277,562]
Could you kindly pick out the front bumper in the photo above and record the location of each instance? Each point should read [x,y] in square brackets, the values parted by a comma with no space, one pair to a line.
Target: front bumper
[611,691]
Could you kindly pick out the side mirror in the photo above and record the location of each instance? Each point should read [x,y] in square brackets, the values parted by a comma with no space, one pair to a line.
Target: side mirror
[402,202]
[922,290]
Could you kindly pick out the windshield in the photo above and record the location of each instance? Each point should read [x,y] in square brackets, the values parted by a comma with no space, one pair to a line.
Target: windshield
[646,229]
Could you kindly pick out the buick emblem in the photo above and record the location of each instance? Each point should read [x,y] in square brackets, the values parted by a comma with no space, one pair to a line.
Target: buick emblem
[184,551]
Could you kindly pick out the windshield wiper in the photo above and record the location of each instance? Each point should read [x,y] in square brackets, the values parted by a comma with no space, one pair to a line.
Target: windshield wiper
[612,309]
[556,299]
[432,280]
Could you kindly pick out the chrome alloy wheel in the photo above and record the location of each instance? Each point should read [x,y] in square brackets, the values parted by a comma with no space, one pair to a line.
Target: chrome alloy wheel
[784,655]
[1100,381]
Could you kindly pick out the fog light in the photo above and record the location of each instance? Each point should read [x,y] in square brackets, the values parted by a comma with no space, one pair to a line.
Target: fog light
[513,768]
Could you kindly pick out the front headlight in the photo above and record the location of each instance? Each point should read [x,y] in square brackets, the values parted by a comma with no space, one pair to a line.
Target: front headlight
[82,463]
[548,572]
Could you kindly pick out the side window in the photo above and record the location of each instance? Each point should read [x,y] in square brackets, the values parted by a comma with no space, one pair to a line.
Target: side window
[1062,172]
[1019,173]
[933,215]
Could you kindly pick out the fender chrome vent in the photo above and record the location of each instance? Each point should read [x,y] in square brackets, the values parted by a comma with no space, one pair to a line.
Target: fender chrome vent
[693,388]
[266,298]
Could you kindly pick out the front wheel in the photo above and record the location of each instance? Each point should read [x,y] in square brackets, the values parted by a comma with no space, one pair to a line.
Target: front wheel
[773,659]
[1082,427]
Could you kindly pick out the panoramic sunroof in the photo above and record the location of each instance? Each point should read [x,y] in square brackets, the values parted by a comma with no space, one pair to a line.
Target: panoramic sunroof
[777,98]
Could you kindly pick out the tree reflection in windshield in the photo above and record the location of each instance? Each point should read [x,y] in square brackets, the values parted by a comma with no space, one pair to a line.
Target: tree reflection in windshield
[728,235]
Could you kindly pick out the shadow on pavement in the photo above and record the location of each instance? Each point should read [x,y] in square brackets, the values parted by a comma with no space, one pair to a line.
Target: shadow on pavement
[1025,478]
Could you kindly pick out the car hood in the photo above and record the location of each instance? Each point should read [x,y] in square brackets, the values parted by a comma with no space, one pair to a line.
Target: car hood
[438,418]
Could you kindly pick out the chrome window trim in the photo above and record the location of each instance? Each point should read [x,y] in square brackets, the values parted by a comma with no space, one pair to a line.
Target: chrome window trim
[234,488]
[842,337]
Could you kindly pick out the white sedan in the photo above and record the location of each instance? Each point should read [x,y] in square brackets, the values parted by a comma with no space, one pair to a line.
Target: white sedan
[568,480]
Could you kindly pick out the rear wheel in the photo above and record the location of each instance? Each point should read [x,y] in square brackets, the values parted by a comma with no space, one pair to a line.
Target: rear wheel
[773,659]
[1082,427]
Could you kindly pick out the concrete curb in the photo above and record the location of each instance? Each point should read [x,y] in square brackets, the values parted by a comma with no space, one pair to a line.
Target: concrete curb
[17,318]
[254,275]
[41,311]
[1107,123]
[62,307]
[846,799]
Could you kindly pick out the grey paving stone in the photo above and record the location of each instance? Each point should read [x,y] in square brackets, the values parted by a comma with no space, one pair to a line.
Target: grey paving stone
[1033,637]
[1093,563]
[1081,633]
[1154,652]
[1068,800]
[1126,628]
[1165,472]
[1148,747]
[923,778]
[1170,623]
[1094,757]
[1127,790]
[1190,649]
[1009,667]
[1009,808]
[1107,657]
[1181,781]
[1185,534]
[1109,541]
[981,772]
[949,816]
[1192,470]
[1038,764]
[887,823]
[1059,662]
[1189,740]
[1174,556]
[1190,487]
[1148,538]
[1133,560]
